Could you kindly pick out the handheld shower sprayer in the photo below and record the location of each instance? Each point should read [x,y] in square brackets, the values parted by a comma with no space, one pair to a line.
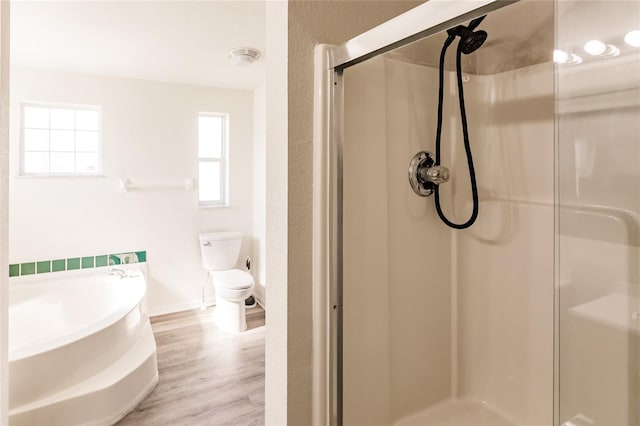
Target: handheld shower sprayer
[470,40]
[425,172]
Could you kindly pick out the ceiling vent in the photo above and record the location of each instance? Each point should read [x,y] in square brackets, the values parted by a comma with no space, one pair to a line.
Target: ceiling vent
[243,56]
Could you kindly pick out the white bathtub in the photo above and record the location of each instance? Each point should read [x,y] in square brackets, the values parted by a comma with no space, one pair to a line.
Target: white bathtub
[81,349]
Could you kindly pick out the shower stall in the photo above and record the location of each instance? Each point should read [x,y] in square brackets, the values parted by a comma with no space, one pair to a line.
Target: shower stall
[531,314]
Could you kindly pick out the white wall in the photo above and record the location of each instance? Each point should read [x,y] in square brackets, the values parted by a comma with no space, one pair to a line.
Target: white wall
[149,135]
[259,185]
[277,332]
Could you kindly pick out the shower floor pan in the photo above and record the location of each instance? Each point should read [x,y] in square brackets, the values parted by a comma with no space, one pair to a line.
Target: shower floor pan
[455,413]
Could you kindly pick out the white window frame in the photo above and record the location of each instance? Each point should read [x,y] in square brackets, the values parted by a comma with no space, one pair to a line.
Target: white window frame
[223,161]
[50,106]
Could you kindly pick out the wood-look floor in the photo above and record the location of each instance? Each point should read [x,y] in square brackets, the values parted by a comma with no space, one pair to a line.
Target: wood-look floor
[207,377]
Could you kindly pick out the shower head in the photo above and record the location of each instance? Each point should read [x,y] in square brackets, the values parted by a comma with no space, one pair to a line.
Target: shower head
[470,40]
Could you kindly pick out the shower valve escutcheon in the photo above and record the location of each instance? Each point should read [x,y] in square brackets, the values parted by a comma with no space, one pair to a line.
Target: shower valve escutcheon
[424,175]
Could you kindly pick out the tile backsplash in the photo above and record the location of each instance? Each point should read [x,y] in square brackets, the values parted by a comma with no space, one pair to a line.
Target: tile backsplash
[72,263]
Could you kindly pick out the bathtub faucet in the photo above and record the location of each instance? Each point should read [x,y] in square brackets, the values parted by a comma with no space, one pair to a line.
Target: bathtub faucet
[117,271]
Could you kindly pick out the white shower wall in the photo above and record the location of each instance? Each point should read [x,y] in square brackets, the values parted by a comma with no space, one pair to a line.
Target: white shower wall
[430,313]
[505,261]
[397,257]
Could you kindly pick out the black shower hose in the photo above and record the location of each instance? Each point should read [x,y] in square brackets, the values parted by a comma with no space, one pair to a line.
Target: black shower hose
[465,133]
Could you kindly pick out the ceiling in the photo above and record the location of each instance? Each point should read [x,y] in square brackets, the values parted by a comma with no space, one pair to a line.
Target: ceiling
[172,41]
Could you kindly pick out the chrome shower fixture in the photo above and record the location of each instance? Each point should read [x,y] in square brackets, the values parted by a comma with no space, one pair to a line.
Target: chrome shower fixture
[424,175]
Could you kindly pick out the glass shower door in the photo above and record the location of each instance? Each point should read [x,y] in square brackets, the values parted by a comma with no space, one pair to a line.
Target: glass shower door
[598,197]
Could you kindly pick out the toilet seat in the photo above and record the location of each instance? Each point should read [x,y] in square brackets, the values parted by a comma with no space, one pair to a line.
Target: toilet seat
[232,279]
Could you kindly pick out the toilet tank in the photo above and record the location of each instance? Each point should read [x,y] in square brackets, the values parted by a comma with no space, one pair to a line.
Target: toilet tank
[220,250]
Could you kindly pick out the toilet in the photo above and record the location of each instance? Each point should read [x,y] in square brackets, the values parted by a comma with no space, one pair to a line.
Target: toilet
[220,251]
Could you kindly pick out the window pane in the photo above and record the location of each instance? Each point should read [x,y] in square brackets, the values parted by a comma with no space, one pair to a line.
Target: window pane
[210,136]
[36,118]
[62,162]
[87,120]
[62,140]
[36,162]
[209,181]
[36,140]
[62,119]
[87,141]
[86,163]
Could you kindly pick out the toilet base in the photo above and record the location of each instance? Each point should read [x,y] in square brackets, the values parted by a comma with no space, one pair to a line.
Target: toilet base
[229,316]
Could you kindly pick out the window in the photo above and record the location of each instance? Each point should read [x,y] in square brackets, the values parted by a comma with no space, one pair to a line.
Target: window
[60,140]
[212,159]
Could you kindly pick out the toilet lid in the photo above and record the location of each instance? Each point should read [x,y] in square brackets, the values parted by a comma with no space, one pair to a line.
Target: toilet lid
[234,279]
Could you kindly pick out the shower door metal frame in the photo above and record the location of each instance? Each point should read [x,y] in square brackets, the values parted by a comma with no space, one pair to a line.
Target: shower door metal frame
[420,22]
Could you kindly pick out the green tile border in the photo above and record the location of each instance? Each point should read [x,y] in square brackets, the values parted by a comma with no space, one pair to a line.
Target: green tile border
[101,260]
[75,263]
[14,270]
[43,267]
[58,265]
[28,268]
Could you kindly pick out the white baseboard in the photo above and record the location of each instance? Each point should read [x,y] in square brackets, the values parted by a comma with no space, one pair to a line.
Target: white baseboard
[193,304]
[178,307]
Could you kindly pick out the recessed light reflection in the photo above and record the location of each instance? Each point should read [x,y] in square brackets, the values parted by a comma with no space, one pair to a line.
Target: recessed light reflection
[612,51]
[633,38]
[575,59]
[560,56]
[595,47]
[598,48]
